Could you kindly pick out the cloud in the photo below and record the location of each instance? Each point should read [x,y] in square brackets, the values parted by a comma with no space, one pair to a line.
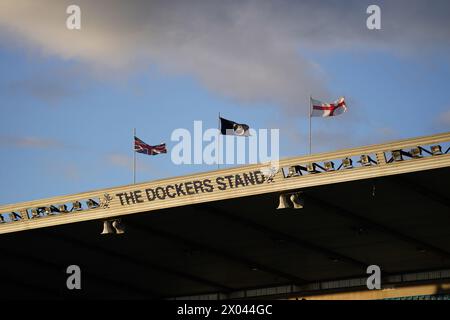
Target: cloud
[47,91]
[250,51]
[63,171]
[444,118]
[126,161]
[71,172]
[48,84]
[30,142]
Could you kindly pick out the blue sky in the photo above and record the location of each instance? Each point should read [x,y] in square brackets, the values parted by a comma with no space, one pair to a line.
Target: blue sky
[69,102]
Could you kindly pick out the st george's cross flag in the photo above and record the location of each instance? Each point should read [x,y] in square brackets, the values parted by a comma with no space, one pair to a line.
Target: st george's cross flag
[321,109]
[141,147]
[228,127]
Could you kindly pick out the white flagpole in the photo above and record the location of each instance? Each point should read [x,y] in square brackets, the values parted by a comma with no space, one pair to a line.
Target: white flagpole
[310,115]
[218,144]
[134,157]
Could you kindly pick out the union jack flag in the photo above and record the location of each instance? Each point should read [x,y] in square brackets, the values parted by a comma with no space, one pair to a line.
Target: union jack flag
[141,147]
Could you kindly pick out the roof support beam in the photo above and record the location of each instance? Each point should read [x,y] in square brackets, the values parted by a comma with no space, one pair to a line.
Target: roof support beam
[290,238]
[38,291]
[30,260]
[382,228]
[218,252]
[420,189]
[137,261]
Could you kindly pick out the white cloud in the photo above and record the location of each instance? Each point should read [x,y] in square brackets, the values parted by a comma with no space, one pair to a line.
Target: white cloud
[30,142]
[444,118]
[246,50]
[126,161]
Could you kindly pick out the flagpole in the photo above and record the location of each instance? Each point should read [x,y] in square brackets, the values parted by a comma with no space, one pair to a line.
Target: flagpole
[310,114]
[134,157]
[218,143]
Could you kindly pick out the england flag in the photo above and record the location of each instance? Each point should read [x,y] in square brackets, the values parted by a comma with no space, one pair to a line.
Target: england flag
[321,109]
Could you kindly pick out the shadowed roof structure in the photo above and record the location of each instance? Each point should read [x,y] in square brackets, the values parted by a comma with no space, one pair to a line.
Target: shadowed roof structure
[221,239]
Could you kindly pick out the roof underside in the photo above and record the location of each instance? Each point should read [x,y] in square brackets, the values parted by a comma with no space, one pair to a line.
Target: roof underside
[400,223]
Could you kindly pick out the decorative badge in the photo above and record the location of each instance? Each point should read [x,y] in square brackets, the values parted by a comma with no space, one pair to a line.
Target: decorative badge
[270,171]
[106,200]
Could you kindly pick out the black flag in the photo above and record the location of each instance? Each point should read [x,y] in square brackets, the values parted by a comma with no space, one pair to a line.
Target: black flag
[228,127]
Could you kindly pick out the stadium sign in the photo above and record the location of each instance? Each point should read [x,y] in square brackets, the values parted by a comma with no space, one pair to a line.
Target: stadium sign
[286,175]
[192,188]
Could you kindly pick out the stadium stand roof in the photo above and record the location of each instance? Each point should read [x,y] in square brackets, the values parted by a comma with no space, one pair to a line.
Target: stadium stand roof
[220,238]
